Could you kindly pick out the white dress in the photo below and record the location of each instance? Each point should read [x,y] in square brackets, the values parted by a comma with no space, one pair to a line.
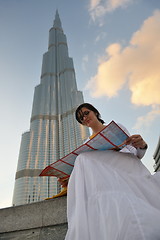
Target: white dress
[112,196]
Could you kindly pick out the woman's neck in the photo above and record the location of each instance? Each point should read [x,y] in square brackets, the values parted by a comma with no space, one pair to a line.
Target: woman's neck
[97,128]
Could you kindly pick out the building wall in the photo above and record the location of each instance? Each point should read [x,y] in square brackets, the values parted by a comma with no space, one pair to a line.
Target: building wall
[156,157]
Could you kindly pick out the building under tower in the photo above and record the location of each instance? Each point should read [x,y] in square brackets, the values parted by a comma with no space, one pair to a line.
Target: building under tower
[54,132]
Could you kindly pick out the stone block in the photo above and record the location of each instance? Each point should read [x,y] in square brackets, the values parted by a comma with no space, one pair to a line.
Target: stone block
[43,220]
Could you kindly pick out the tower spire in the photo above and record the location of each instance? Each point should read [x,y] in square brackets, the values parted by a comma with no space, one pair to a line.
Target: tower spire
[57,21]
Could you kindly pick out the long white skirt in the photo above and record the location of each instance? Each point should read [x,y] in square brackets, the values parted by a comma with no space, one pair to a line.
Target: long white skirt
[112,196]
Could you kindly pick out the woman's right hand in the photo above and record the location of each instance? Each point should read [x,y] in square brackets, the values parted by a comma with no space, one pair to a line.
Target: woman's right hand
[63,182]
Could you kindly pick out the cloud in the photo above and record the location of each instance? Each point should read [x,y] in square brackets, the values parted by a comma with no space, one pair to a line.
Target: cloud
[135,66]
[84,62]
[98,8]
[101,36]
[147,119]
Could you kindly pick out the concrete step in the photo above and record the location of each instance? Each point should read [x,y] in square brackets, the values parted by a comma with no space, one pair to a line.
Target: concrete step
[45,220]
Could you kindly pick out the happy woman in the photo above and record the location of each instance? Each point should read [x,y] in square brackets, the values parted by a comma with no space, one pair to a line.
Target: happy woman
[111,195]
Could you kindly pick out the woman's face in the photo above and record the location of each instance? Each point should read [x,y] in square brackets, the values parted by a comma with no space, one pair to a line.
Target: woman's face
[87,117]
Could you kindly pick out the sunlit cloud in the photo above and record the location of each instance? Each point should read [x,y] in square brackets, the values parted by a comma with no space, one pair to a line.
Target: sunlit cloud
[147,120]
[135,66]
[98,8]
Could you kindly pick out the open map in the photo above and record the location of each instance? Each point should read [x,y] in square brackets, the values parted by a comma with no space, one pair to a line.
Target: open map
[111,137]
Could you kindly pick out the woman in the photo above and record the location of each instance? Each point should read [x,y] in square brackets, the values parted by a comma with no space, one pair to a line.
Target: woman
[111,195]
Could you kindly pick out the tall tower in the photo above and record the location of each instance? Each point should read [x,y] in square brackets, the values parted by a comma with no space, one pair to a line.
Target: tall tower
[156,157]
[54,131]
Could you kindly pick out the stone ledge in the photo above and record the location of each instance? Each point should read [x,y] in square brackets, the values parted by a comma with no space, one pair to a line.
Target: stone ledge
[35,216]
[56,232]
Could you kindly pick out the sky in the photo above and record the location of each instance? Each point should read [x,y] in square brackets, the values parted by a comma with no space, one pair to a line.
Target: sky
[116,52]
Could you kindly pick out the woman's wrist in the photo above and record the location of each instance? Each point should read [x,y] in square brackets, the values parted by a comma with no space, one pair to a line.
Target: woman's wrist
[144,147]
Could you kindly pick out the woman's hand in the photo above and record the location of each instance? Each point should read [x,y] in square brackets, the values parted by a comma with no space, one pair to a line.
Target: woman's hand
[63,182]
[136,141]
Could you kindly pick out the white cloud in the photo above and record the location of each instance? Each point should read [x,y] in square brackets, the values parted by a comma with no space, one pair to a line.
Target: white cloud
[147,120]
[98,8]
[100,37]
[94,4]
[84,62]
[136,66]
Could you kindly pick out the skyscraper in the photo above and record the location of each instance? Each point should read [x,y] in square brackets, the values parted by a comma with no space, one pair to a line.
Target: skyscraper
[54,131]
[156,157]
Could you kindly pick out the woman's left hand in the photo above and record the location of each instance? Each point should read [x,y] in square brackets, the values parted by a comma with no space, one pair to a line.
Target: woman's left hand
[63,182]
[136,141]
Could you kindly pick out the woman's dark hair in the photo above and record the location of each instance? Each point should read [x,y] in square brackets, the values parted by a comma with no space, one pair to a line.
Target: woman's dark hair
[78,112]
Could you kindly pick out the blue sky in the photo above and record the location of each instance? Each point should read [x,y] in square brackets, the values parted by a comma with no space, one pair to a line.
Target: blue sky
[116,52]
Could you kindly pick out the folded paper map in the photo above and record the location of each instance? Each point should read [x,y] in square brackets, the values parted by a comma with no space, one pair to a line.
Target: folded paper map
[111,137]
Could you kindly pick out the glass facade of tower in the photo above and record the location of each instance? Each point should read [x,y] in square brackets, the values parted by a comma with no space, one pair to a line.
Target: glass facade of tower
[156,157]
[54,132]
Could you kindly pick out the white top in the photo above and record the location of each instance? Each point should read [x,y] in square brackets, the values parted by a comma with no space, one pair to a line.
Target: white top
[129,148]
